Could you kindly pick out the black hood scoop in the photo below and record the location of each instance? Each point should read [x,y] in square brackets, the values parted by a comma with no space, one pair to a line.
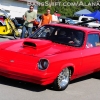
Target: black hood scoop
[30,44]
[36,43]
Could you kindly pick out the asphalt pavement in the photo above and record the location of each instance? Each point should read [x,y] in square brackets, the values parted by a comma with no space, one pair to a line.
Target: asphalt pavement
[85,88]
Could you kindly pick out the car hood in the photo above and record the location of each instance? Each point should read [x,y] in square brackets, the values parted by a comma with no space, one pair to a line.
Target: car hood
[35,47]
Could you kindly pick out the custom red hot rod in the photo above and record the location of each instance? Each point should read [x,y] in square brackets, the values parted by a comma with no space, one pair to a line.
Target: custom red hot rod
[54,54]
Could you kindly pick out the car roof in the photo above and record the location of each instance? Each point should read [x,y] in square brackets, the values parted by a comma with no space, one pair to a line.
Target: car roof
[85,29]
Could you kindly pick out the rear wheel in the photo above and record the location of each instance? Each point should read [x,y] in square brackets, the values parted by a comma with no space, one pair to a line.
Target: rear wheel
[62,80]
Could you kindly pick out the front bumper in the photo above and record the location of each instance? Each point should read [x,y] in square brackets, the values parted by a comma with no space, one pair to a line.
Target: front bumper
[41,78]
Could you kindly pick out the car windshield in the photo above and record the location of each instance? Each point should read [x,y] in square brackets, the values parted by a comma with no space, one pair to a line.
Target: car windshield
[61,35]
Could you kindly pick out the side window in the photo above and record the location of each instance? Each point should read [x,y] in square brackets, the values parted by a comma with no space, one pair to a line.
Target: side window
[84,19]
[92,40]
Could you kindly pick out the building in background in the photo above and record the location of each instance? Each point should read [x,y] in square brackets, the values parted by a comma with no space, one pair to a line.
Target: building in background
[15,8]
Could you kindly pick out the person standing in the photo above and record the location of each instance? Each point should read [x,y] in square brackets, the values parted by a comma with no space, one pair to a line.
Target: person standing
[55,18]
[45,18]
[29,17]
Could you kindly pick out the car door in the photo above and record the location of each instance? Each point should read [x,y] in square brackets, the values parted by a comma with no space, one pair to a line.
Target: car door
[91,54]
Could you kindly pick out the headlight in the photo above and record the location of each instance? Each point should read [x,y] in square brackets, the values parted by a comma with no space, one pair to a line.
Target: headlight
[43,64]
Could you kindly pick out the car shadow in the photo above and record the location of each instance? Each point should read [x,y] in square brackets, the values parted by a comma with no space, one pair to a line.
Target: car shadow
[81,79]
[39,88]
[21,84]
[94,75]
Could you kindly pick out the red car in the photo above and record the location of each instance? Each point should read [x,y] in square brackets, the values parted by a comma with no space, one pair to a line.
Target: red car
[54,54]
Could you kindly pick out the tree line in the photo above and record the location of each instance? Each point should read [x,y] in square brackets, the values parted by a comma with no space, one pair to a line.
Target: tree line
[68,7]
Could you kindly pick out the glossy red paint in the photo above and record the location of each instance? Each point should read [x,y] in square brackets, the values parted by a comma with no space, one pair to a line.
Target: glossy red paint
[20,61]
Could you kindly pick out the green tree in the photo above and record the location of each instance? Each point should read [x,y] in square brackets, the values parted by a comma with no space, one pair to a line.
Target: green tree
[69,10]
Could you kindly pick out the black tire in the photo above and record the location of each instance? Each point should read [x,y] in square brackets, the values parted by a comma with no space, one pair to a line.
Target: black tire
[60,83]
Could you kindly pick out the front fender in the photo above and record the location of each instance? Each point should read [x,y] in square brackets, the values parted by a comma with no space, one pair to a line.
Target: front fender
[67,65]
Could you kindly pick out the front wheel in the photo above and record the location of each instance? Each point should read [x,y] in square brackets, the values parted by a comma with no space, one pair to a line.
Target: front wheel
[62,80]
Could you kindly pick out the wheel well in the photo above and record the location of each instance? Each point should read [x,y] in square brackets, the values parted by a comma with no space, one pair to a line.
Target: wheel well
[71,70]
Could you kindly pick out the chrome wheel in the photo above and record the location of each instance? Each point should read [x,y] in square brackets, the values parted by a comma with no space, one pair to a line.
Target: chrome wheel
[62,80]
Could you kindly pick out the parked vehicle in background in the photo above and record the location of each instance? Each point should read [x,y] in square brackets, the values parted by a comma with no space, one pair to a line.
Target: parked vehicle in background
[95,24]
[7,26]
[83,21]
[70,21]
[67,20]
[4,26]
